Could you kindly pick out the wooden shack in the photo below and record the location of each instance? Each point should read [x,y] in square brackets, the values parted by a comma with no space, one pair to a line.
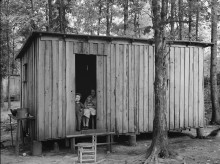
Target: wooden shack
[55,66]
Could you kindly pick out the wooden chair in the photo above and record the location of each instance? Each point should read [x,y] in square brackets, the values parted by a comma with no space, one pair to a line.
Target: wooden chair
[87,151]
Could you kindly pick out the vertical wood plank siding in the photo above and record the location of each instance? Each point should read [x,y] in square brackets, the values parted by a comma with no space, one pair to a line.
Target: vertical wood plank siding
[125,91]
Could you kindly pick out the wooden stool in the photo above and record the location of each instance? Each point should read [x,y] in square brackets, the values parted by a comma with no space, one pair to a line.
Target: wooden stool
[87,151]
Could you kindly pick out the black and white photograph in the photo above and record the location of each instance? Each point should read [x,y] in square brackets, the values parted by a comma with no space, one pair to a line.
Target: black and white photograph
[110,81]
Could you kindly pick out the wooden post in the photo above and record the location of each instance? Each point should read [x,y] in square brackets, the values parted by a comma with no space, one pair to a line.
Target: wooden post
[67,142]
[200,133]
[73,143]
[56,147]
[108,142]
[17,138]
[132,140]
[36,148]
[112,141]
[11,130]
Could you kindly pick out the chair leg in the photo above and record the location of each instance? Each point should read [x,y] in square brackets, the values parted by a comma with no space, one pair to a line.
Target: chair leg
[80,156]
[93,123]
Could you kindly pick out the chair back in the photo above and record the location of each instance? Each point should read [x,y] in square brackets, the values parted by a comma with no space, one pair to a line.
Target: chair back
[94,139]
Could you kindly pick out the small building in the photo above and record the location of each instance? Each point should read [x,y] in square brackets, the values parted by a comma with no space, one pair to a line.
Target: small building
[55,66]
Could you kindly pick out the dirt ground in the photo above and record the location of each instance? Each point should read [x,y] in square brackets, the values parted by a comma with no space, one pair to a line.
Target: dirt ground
[190,150]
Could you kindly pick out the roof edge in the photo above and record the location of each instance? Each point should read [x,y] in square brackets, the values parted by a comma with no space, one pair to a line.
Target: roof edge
[34,34]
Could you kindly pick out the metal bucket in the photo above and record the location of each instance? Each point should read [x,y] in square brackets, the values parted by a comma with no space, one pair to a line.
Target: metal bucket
[22,112]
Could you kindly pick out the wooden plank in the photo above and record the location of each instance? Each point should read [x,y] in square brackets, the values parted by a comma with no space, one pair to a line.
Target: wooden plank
[100,49]
[196,87]
[64,100]
[80,47]
[70,89]
[108,108]
[35,87]
[75,47]
[119,87]
[125,90]
[191,81]
[141,90]
[41,86]
[21,83]
[99,92]
[172,91]
[55,82]
[201,89]
[168,87]
[91,48]
[48,90]
[186,86]
[113,91]
[177,88]
[151,88]
[131,88]
[104,90]
[29,83]
[60,89]
[136,84]
[182,88]
[146,88]
[95,48]
[48,38]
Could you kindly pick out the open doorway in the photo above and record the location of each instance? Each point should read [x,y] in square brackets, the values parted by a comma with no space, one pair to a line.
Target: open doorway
[85,71]
[85,75]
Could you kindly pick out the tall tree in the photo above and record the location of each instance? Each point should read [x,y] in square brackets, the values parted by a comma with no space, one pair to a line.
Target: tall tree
[49,16]
[1,55]
[197,19]
[62,16]
[173,6]
[125,16]
[213,70]
[180,19]
[8,53]
[107,18]
[159,144]
[190,19]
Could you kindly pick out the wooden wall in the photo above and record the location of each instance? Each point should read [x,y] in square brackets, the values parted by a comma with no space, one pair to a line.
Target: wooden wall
[185,92]
[29,70]
[125,93]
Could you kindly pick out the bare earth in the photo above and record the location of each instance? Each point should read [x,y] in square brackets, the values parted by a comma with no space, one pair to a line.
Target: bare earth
[190,151]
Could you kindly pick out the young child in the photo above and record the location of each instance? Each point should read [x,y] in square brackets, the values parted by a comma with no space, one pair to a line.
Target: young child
[79,107]
[89,110]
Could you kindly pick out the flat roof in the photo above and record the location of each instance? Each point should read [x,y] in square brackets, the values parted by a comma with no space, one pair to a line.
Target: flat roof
[36,34]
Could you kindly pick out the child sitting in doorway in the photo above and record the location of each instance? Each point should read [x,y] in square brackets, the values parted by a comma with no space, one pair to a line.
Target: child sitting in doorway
[89,110]
[79,109]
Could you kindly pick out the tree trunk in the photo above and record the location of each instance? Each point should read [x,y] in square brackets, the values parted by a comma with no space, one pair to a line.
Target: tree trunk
[62,16]
[213,70]
[180,19]
[32,22]
[197,20]
[8,50]
[49,16]
[172,19]
[99,20]
[125,16]
[1,55]
[107,19]
[159,145]
[135,24]
[190,18]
